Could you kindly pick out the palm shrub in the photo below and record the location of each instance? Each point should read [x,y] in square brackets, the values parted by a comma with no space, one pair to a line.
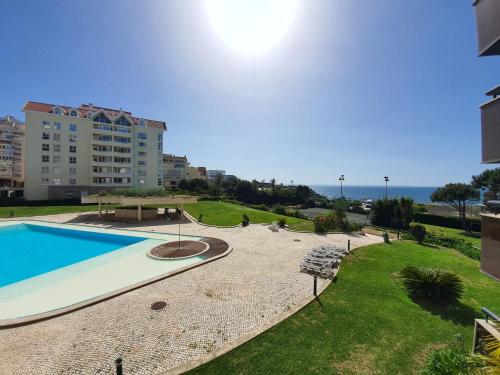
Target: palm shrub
[419,232]
[432,283]
[282,222]
[246,220]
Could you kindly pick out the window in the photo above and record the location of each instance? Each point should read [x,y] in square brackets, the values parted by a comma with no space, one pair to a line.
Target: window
[141,135]
[57,170]
[72,148]
[56,159]
[56,148]
[45,136]
[45,170]
[101,180]
[142,181]
[141,162]
[72,170]
[57,181]
[45,181]
[73,113]
[141,172]
[72,181]
[45,158]
[72,160]
[102,159]
[57,125]
[102,137]
[122,121]
[122,150]
[102,118]
[121,180]
[96,169]
[142,122]
[142,153]
[72,138]
[56,137]
[46,124]
[45,147]
[72,127]
[121,170]
[122,139]
[57,110]
[122,160]
[141,144]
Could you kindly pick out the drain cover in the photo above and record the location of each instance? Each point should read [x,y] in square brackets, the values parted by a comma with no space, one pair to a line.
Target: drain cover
[158,305]
[296,240]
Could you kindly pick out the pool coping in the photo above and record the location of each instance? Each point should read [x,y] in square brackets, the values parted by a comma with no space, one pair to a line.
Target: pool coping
[16,322]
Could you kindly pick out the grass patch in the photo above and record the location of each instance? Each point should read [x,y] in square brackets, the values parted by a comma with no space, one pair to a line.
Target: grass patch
[227,214]
[366,323]
[21,211]
[473,238]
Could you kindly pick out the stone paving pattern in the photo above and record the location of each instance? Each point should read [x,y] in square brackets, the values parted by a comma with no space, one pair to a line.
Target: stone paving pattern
[207,307]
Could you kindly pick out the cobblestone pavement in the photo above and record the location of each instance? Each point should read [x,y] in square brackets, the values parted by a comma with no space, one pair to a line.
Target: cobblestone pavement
[207,307]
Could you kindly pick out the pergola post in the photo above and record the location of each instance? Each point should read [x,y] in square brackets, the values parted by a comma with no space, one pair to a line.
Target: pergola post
[100,208]
[139,212]
[106,208]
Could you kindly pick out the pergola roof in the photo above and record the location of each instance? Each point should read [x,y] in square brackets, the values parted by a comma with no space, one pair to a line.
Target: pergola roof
[139,201]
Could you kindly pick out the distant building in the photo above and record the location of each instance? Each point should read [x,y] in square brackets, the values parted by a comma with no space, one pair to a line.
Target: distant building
[213,173]
[177,168]
[228,177]
[488,32]
[76,151]
[11,153]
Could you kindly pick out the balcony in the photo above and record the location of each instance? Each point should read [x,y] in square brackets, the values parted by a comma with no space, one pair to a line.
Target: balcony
[488,26]
[490,128]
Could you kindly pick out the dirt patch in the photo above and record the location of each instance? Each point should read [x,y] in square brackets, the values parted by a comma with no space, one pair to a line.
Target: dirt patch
[360,362]
[421,357]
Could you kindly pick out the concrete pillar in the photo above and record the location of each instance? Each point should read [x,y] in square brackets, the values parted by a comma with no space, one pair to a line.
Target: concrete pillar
[139,212]
[100,211]
[106,208]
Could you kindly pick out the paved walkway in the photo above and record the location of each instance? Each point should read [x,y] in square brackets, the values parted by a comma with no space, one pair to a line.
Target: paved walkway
[207,307]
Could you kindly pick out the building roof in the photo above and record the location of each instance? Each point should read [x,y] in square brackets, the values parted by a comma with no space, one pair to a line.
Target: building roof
[89,110]
[10,120]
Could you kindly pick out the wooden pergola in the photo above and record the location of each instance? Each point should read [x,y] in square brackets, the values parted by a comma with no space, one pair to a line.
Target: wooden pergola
[137,201]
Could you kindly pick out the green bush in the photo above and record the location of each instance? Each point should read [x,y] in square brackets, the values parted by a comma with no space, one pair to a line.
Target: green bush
[473,225]
[209,199]
[140,192]
[433,284]
[245,221]
[455,359]
[282,222]
[418,232]
[279,210]
[392,213]
[200,218]
[261,207]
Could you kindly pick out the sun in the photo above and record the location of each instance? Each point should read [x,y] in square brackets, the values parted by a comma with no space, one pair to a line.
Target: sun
[251,27]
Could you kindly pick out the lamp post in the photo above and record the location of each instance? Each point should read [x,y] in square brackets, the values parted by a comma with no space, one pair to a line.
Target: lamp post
[386,178]
[341,179]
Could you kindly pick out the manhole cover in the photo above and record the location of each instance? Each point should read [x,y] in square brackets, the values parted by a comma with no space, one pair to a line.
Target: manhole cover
[296,240]
[158,305]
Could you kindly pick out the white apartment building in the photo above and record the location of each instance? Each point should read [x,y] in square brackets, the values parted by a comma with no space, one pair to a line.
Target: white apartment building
[177,168]
[11,153]
[75,151]
[213,173]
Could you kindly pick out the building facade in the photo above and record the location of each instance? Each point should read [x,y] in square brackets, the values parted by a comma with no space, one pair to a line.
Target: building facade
[213,173]
[177,168]
[488,32]
[76,151]
[11,154]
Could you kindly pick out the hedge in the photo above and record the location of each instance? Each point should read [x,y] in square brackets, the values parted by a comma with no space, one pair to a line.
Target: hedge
[448,221]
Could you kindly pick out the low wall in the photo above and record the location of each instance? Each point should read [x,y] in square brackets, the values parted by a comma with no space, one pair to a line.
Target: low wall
[130,213]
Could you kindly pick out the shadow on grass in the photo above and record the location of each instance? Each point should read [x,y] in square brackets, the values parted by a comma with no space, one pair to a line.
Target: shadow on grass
[471,234]
[431,246]
[457,312]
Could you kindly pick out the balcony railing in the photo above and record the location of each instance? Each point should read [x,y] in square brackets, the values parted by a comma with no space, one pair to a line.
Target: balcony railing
[488,26]
[490,128]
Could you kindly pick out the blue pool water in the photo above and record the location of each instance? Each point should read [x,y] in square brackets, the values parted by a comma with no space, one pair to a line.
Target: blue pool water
[28,250]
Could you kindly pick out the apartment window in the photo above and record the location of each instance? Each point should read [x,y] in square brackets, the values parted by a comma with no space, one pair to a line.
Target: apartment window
[45,158]
[72,170]
[121,129]
[122,150]
[45,170]
[121,170]
[57,110]
[72,127]
[141,162]
[101,180]
[72,148]
[142,135]
[142,181]
[72,181]
[45,147]
[56,148]
[57,170]
[45,181]
[45,136]
[122,139]
[141,172]
[103,137]
[56,137]
[142,153]
[141,144]
[57,125]
[96,169]
[73,113]
[72,159]
[121,180]
[102,118]
[46,124]
[122,160]
[72,138]
[122,121]
[56,159]
[56,181]
[102,159]
[102,148]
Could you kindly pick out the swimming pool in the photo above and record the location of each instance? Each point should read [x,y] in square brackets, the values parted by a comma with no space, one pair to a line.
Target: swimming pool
[29,250]
[48,269]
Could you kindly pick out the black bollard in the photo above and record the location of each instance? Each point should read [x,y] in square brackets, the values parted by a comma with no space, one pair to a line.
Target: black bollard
[119,366]
[348,245]
[315,290]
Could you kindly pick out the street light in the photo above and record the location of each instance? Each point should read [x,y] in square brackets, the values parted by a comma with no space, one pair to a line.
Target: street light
[341,179]
[386,181]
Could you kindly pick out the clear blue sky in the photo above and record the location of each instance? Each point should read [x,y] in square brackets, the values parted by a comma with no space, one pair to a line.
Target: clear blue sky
[363,88]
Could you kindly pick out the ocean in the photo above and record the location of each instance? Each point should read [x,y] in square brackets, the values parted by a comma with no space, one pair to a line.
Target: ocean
[420,194]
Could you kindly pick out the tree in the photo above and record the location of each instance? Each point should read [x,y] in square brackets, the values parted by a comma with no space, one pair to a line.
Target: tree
[393,213]
[489,181]
[303,193]
[459,196]
[273,185]
[217,183]
[244,191]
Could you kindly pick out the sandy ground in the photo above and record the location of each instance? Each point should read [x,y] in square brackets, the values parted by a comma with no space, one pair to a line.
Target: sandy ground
[207,307]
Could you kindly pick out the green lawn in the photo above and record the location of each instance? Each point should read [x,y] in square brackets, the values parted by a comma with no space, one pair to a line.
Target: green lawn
[365,323]
[44,210]
[474,238]
[225,214]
